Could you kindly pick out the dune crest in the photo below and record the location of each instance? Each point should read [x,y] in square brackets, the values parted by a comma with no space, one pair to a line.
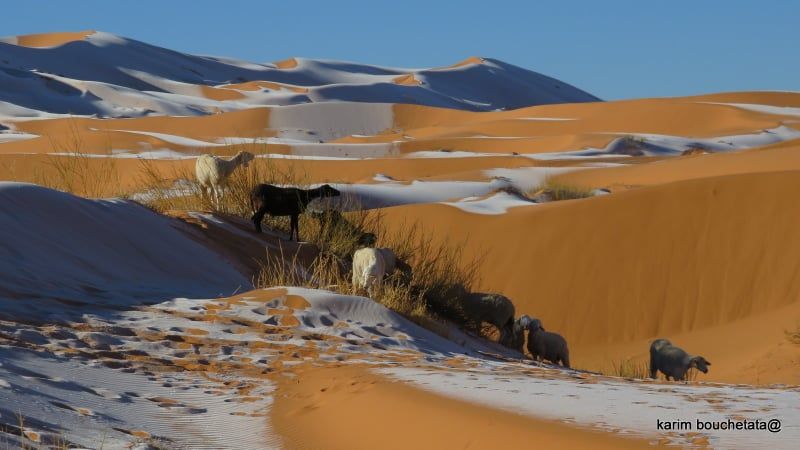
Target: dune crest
[407,80]
[467,62]
[289,63]
[42,40]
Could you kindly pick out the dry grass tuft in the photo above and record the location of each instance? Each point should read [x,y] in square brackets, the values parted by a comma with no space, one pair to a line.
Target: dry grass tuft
[554,190]
[630,368]
[431,287]
[71,170]
[176,187]
[326,271]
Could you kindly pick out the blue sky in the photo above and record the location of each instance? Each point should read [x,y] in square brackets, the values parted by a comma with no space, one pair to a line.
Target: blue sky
[613,49]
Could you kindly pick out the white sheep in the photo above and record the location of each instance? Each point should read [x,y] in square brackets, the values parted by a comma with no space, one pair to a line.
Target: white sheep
[369,268]
[212,172]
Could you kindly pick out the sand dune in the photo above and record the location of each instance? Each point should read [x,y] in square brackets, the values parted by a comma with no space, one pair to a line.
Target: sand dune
[778,157]
[128,78]
[47,39]
[66,248]
[645,263]
[343,401]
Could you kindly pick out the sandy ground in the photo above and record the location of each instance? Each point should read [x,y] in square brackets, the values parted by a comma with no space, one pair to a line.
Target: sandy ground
[348,407]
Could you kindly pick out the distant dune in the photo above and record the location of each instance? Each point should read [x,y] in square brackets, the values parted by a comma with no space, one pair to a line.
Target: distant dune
[101,74]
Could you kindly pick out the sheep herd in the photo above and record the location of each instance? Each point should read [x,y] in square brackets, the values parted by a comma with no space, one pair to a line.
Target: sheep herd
[544,345]
[371,265]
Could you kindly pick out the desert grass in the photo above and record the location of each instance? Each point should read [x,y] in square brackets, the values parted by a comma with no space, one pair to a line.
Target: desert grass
[556,190]
[441,275]
[70,169]
[634,369]
[428,288]
[174,187]
[283,269]
[630,368]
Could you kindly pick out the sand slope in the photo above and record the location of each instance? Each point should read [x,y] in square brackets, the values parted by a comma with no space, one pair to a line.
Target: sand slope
[645,263]
[349,407]
[68,255]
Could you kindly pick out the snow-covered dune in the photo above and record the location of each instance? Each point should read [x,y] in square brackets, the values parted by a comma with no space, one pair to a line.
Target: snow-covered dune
[64,255]
[107,75]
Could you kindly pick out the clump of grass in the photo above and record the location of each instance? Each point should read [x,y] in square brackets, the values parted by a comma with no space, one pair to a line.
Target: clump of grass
[633,140]
[325,271]
[555,190]
[630,368]
[342,233]
[435,281]
[438,277]
[71,170]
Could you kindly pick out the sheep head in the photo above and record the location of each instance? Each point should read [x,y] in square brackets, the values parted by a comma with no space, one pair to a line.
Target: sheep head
[699,363]
[245,158]
[327,191]
[535,325]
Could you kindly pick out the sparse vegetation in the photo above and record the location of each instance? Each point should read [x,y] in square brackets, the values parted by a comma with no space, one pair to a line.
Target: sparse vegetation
[630,368]
[556,190]
[71,170]
[175,187]
[437,282]
[633,140]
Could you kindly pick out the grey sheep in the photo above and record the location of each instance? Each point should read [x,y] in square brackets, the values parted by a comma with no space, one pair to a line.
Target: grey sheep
[495,309]
[514,337]
[673,361]
[546,345]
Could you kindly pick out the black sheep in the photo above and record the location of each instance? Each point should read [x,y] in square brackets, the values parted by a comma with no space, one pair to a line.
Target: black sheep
[278,201]
[546,345]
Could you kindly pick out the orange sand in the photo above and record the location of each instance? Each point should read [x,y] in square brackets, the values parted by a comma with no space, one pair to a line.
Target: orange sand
[352,408]
[407,80]
[52,39]
[650,262]
[290,63]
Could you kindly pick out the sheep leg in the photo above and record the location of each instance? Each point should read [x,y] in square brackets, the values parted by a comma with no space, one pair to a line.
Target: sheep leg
[216,197]
[258,217]
[354,281]
[370,285]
